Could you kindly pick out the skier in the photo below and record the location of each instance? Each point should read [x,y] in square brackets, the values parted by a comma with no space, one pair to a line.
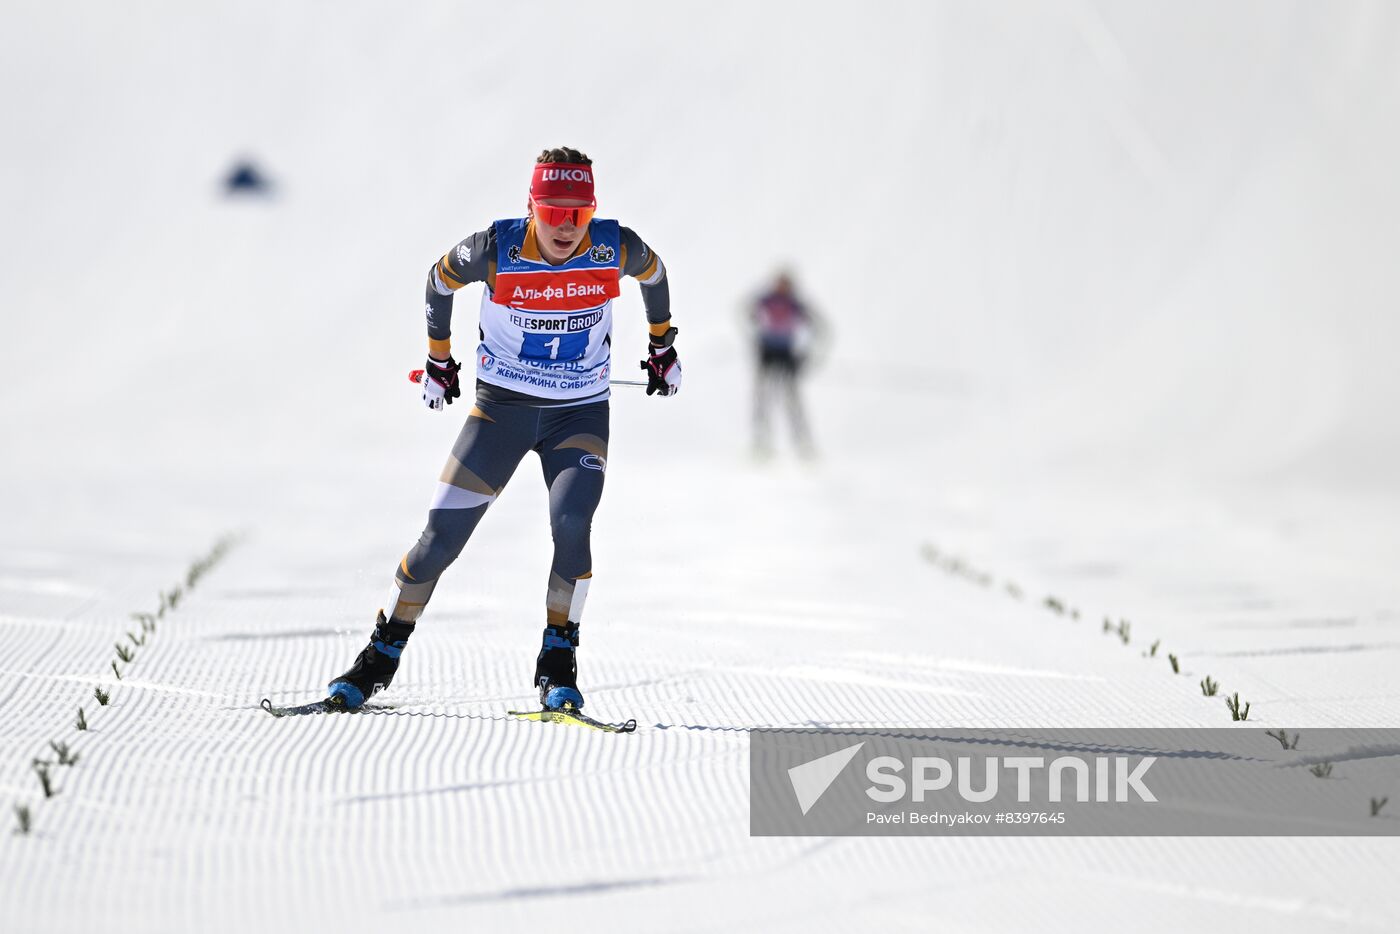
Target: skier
[783,328]
[542,368]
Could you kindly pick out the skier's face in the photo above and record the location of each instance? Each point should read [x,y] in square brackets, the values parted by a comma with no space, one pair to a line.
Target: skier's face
[558,241]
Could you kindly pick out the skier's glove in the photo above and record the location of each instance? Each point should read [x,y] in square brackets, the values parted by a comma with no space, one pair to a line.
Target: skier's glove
[440,383]
[662,366]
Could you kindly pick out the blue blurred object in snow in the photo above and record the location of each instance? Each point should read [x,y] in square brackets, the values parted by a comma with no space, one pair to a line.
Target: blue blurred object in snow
[246,179]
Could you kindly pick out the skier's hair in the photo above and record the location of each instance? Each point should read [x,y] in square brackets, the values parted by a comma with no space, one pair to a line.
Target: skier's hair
[564,154]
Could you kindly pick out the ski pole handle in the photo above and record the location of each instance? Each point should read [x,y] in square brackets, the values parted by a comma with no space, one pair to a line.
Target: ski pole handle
[416,376]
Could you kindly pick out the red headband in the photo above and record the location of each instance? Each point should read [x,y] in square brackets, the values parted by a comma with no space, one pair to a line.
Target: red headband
[562,180]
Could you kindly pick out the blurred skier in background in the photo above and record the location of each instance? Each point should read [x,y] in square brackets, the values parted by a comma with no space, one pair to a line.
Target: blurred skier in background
[542,377]
[785,332]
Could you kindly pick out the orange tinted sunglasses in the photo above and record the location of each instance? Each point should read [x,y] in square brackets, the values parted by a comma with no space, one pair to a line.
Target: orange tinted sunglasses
[554,214]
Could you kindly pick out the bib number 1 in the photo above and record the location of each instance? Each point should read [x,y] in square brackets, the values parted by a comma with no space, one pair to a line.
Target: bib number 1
[555,347]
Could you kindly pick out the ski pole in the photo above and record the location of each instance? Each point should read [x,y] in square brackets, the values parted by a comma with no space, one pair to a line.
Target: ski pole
[416,376]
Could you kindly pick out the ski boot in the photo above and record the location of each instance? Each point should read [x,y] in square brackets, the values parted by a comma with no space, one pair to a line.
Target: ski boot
[556,672]
[375,667]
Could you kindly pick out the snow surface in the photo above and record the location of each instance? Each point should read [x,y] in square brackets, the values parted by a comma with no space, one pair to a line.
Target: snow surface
[1113,287]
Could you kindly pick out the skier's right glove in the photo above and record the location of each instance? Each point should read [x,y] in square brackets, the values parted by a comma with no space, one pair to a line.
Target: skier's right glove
[440,383]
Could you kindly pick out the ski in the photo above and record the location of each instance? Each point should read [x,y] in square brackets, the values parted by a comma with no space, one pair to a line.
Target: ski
[328,705]
[574,717]
[333,705]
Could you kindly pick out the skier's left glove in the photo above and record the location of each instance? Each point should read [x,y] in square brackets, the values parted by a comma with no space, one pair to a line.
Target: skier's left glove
[662,366]
[440,383]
